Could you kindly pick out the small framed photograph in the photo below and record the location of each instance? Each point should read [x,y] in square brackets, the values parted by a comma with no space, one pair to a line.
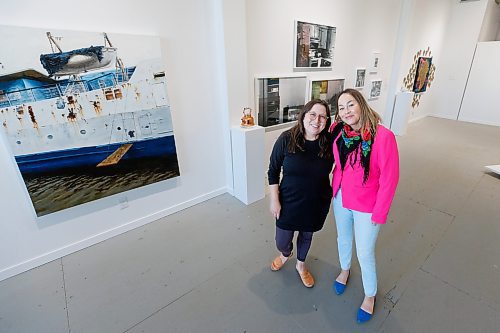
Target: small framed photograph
[375,89]
[360,78]
[326,89]
[375,62]
[314,45]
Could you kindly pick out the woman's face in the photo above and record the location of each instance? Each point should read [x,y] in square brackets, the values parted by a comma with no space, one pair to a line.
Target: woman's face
[350,111]
[315,121]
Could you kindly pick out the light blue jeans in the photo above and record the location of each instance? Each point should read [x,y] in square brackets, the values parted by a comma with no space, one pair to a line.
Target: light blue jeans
[365,234]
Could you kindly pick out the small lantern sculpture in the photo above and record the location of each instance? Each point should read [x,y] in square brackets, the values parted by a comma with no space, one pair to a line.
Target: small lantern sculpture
[247,120]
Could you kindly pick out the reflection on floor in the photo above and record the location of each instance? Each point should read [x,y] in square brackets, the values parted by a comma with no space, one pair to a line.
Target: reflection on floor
[206,269]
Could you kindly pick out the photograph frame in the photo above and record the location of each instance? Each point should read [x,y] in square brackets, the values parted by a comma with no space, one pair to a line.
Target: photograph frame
[375,89]
[314,45]
[360,78]
[375,62]
[327,89]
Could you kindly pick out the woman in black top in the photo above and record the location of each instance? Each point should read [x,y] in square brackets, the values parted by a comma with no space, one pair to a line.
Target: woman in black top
[302,199]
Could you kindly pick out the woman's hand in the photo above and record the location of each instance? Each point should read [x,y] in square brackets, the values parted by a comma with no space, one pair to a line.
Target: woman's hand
[275,208]
[275,205]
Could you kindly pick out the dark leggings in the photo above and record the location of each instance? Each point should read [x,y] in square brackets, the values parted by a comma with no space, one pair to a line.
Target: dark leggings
[284,243]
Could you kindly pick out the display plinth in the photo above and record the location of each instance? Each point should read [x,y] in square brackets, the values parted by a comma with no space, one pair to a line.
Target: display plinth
[401,112]
[247,145]
[494,168]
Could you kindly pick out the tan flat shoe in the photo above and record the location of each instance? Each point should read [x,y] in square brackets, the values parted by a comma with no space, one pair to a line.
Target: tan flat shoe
[307,278]
[277,263]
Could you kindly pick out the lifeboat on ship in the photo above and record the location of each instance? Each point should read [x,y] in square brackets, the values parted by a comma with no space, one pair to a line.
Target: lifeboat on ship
[78,61]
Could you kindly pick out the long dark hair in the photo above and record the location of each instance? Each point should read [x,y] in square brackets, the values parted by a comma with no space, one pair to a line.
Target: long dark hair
[298,132]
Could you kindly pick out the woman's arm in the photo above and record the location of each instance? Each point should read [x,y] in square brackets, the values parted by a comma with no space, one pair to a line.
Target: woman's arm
[274,172]
[275,205]
[388,160]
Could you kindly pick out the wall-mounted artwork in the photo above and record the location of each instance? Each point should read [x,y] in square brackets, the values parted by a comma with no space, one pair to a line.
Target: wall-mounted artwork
[375,88]
[375,62]
[327,90]
[420,75]
[86,115]
[279,100]
[314,45]
[360,78]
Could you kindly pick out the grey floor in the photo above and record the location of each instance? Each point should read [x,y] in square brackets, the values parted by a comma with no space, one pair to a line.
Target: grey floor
[206,269]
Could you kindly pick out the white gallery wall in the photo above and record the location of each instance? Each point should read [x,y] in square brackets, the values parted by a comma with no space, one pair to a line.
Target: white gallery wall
[462,34]
[192,54]
[362,28]
[464,72]
[235,58]
[482,98]
[428,23]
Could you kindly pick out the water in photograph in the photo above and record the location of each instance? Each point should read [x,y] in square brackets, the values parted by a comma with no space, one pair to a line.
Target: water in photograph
[53,192]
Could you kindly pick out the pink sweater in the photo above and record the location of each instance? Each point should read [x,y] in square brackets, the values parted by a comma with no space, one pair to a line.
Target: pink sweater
[375,196]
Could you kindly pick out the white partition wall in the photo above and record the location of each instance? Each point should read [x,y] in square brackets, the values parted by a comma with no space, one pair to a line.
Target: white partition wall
[462,33]
[481,103]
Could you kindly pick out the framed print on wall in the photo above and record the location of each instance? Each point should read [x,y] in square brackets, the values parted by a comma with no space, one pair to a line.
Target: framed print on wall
[314,45]
[375,62]
[327,90]
[375,88]
[360,78]
[87,119]
[422,74]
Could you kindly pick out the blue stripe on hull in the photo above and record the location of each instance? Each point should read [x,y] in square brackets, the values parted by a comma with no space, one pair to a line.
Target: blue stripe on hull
[91,156]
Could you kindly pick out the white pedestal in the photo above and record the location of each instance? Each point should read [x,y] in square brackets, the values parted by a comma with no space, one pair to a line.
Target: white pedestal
[401,112]
[494,168]
[247,145]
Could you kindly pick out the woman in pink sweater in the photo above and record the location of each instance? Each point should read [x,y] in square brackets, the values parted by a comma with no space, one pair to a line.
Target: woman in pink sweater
[365,178]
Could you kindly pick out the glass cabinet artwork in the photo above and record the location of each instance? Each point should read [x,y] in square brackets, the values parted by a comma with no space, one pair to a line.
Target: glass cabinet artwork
[269,102]
[279,99]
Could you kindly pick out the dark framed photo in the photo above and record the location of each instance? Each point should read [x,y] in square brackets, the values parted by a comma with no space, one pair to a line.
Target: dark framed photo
[360,78]
[314,45]
[375,89]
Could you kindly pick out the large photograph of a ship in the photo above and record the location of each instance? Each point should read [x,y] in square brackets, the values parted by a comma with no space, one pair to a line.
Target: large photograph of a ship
[86,115]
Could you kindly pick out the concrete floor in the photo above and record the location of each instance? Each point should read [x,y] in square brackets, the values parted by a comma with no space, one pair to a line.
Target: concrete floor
[206,269]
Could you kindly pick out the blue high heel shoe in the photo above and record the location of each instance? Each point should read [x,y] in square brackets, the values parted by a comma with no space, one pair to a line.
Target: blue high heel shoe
[340,287]
[364,316]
